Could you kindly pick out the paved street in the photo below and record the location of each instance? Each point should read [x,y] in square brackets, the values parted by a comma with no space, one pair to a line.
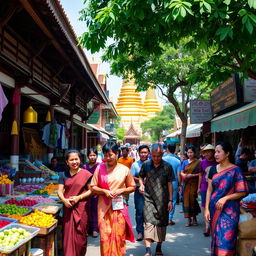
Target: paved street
[180,241]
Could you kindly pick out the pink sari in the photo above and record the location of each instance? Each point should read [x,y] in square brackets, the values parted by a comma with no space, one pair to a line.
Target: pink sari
[115,226]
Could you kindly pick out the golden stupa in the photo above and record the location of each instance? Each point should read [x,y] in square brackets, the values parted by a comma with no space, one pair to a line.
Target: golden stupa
[151,104]
[129,106]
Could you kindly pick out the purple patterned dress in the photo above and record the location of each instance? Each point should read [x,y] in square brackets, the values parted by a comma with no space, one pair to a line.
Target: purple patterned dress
[93,204]
[224,222]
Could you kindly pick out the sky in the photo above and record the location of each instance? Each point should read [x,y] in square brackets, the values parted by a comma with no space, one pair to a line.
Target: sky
[114,83]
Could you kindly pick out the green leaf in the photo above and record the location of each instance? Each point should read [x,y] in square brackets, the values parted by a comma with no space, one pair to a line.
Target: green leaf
[244,19]
[249,26]
[242,12]
[227,2]
[252,3]
[183,11]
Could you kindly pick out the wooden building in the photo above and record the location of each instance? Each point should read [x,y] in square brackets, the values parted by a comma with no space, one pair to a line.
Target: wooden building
[42,67]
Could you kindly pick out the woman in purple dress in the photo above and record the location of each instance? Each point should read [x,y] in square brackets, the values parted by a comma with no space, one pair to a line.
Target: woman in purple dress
[226,186]
[92,155]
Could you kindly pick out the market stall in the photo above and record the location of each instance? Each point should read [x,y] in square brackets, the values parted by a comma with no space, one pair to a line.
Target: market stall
[32,204]
[247,226]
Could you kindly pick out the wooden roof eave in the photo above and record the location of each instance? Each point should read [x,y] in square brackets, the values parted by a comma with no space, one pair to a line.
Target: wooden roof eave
[100,93]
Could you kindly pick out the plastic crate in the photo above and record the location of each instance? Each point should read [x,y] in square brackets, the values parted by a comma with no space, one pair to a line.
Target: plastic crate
[32,230]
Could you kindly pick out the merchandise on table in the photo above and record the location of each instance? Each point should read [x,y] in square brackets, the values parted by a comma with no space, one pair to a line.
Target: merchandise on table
[40,192]
[15,216]
[245,247]
[5,180]
[24,202]
[6,185]
[41,199]
[15,235]
[9,209]
[6,221]
[28,188]
[38,219]
[48,208]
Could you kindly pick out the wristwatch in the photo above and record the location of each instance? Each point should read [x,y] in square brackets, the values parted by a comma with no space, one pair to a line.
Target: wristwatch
[170,200]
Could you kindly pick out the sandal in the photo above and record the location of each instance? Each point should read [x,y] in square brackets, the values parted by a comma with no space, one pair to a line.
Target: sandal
[188,224]
[147,254]
[159,254]
[195,223]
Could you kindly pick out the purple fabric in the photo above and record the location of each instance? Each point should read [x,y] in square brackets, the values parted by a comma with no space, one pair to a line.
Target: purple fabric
[93,204]
[203,167]
[3,101]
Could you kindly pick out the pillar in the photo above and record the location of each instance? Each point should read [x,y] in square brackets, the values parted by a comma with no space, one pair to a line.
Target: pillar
[50,150]
[15,138]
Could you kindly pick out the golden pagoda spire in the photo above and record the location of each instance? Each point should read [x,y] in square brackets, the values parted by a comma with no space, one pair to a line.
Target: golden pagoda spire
[151,104]
[129,105]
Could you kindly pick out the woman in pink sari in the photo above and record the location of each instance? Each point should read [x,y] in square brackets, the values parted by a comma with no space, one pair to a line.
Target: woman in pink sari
[111,180]
[73,192]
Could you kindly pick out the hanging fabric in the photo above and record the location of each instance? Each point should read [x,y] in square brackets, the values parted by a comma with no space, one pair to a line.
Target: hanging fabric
[3,101]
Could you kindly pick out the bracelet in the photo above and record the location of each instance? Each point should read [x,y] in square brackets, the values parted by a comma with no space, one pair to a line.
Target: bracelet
[170,200]
[80,197]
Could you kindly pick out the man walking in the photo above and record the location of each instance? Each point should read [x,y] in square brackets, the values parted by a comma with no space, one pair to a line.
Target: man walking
[175,163]
[157,175]
[138,197]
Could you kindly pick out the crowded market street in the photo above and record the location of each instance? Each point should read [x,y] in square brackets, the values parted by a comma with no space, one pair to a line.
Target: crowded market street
[180,240]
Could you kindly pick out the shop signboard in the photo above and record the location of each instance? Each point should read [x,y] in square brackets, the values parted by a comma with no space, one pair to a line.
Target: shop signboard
[249,89]
[94,117]
[200,111]
[225,95]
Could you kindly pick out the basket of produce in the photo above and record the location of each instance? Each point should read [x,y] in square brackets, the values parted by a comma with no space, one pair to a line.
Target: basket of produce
[48,208]
[40,192]
[15,235]
[46,222]
[41,199]
[4,221]
[6,185]
[9,209]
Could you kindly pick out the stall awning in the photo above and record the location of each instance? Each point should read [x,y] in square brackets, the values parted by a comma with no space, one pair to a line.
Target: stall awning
[86,126]
[234,120]
[194,130]
[173,134]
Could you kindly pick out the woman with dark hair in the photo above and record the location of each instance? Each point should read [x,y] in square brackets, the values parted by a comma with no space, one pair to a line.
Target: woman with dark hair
[226,187]
[73,191]
[92,155]
[110,181]
[190,174]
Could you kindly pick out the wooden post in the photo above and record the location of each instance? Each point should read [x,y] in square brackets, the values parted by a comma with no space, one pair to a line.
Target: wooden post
[15,138]
[50,150]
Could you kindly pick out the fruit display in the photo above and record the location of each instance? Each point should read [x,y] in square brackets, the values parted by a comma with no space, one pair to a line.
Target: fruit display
[15,216]
[9,209]
[24,202]
[10,237]
[27,188]
[41,199]
[40,192]
[3,223]
[5,180]
[38,219]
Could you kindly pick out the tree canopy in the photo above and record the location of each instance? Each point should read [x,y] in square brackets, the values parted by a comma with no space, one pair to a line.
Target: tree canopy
[228,27]
[156,125]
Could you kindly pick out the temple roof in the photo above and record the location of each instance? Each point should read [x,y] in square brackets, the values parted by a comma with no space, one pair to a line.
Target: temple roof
[131,133]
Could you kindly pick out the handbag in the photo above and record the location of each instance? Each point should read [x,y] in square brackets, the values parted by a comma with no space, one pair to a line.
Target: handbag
[247,229]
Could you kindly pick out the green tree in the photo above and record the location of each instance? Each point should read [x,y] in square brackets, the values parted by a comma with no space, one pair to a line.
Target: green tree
[120,132]
[181,75]
[228,26]
[162,121]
